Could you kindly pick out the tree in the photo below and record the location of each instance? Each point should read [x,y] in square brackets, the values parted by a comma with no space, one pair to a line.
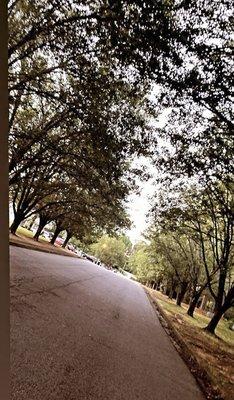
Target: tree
[27,195]
[144,265]
[196,145]
[69,160]
[206,212]
[184,46]
[110,250]
[172,257]
[87,139]
[180,254]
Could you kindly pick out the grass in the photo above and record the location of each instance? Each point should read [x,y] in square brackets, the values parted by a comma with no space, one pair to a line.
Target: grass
[214,353]
[28,234]
[200,320]
[24,238]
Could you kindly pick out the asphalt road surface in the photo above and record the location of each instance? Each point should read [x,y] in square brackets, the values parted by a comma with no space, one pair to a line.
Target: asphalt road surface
[80,332]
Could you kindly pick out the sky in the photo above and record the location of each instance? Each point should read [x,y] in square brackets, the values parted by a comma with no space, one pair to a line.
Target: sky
[139,205]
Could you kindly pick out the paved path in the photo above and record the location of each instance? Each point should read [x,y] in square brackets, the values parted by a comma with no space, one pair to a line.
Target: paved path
[80,332]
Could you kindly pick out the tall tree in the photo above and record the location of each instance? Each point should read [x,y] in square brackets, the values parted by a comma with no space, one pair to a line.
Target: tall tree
[110,250]
[207,212]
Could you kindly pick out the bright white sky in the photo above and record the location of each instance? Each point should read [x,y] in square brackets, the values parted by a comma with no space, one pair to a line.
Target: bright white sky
[139,205]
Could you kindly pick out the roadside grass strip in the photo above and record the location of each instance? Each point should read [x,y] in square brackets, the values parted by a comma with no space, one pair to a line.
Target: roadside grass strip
[213,355]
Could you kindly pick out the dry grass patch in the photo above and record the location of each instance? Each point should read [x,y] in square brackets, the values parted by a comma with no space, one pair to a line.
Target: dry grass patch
[214,354]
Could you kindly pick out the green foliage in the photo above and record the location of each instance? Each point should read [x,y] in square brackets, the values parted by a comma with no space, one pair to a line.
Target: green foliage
[112,251]
[199,246]
[81,245]
[142,265]
[75,121]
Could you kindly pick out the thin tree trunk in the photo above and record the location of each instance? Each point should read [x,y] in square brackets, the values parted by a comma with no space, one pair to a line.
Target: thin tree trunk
[69,235]
[193,304]
[32,222]
[42,223]
[55,235]
[179,298]
[204,302]
[172,290]
[221,286]
[195,298]
[164,289]
[170,296]
[181,293]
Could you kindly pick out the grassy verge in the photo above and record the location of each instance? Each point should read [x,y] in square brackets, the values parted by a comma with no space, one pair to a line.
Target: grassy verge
[24,238]
[213,355]
[29,234]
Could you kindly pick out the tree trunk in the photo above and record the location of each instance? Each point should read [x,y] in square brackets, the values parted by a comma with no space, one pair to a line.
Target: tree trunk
[16,223]
[170,296]
[42,223]
[221,286]
[164,289]
[229,302]
[172,290]
[193,304]
[69,235]
[55,235]
[32,222]
[214,322]
[181,293]
[204,302]
[158,285]
[194,300]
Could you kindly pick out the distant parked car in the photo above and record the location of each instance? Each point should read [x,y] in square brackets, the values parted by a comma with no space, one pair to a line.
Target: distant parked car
[72,248]
[59,241]
[90,258]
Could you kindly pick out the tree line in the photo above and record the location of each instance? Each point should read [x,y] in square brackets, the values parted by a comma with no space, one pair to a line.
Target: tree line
[75,122]
[189,246]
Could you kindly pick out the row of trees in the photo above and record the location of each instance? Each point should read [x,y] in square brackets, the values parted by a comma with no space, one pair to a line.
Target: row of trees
[79,212]
[79,77]
[190,246]
[75,120]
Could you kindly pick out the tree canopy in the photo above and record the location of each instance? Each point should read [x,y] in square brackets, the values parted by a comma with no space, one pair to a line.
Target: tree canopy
[112,251]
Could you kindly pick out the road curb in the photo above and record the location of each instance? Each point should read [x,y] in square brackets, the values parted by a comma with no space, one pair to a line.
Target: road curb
[27,246]
[200,374]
